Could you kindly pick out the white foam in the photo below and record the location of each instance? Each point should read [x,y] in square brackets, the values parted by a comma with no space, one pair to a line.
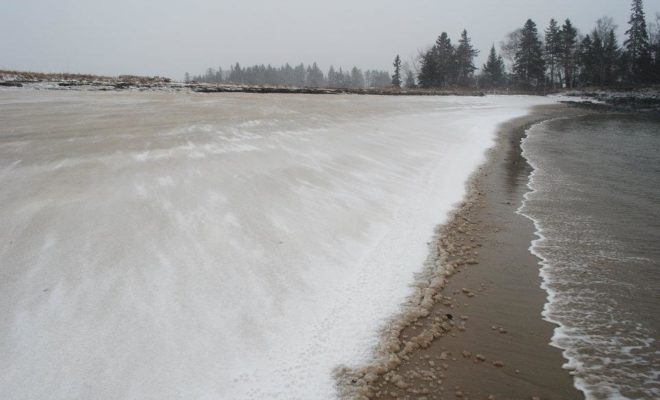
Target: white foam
[137,271]
[611,352]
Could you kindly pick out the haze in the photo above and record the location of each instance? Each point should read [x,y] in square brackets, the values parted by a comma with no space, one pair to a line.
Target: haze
[168,38]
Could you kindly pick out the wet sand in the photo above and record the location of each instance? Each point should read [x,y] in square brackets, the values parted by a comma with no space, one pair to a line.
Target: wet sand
[482,336]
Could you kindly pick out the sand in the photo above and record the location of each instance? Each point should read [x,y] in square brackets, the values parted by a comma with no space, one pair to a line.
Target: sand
[482,335]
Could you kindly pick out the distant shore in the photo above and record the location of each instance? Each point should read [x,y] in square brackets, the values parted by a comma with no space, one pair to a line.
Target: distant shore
[139,83]
[482,335]
[644,99]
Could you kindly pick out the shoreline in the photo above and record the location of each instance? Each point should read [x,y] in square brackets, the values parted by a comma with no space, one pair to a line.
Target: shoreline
[475,327]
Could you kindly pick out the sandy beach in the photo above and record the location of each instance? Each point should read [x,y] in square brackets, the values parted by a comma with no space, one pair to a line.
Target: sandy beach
[484,337]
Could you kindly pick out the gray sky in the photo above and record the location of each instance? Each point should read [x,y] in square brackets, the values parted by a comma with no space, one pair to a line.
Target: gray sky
[167,37]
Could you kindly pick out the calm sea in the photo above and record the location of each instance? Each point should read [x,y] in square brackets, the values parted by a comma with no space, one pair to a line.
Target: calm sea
[595,201]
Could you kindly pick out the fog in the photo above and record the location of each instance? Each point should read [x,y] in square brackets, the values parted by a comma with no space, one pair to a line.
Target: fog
[168,37]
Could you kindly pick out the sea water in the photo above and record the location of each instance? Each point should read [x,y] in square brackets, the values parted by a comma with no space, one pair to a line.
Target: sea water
[595,202]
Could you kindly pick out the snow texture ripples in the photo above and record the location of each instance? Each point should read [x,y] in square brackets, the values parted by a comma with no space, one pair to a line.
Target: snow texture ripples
[184,246]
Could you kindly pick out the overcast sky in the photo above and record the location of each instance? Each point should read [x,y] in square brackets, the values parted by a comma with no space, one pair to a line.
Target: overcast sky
[167,37]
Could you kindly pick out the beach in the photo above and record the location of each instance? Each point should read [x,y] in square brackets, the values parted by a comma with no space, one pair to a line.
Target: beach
[275,246]
[484,336]
[221,245]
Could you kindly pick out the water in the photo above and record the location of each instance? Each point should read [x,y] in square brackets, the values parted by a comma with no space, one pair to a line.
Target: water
[186,246]
[596,206]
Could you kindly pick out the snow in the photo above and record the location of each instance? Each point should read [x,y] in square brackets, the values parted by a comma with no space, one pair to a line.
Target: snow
[186,246]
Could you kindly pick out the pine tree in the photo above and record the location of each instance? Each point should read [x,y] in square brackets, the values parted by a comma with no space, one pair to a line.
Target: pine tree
[445,61]
[428,68]
[396,78]
[438,64]
[529,66]
[587,61]
[553,50]
[333,80]
[465,55]
[611,57]
[637,45]
[607,51]
[598,56]
[357,78]
[568,52]
[493,70]
[315,77]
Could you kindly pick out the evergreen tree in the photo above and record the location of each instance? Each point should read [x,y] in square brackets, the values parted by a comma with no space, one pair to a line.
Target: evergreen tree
[445,61]
[357,78]
[428,68]
[611,57]
[493,70]
[396,78]
[333,79]
[299,76]
[608,53]
[438,66]
[343,79]
[235,73]
[637,45]
[568,52]
[598,59]
[587,61]
[529,66]
[553,50]
[464,56]
[315,77]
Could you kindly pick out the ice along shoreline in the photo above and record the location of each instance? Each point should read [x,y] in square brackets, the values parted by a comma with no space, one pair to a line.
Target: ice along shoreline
[465,332]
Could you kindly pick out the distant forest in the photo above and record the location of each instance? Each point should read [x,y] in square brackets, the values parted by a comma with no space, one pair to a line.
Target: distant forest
[560,57]
[300,76]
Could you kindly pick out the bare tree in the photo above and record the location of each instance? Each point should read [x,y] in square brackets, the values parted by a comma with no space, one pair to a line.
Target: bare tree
[510,46]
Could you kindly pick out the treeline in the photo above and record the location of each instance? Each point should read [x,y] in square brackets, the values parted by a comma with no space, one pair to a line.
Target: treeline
[299,76]
[561,58]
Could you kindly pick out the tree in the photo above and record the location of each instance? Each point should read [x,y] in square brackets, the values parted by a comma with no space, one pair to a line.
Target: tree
[553,50]
[333,79]
[637,45]
[529,66]
[493,70]
[315,77]
[428,68]
[587,59]
[445,61]
[396,78]
[299,76]
[464,56]
[568,52]
[410,80]
[607,57]
[438,65]
[509,46]
[611,57]
[357,78]
[654,37]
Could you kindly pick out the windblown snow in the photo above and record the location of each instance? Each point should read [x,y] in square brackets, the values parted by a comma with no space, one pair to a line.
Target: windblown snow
[186,246]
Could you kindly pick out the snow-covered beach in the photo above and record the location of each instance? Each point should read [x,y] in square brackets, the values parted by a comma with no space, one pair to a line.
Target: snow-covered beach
[238,246]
